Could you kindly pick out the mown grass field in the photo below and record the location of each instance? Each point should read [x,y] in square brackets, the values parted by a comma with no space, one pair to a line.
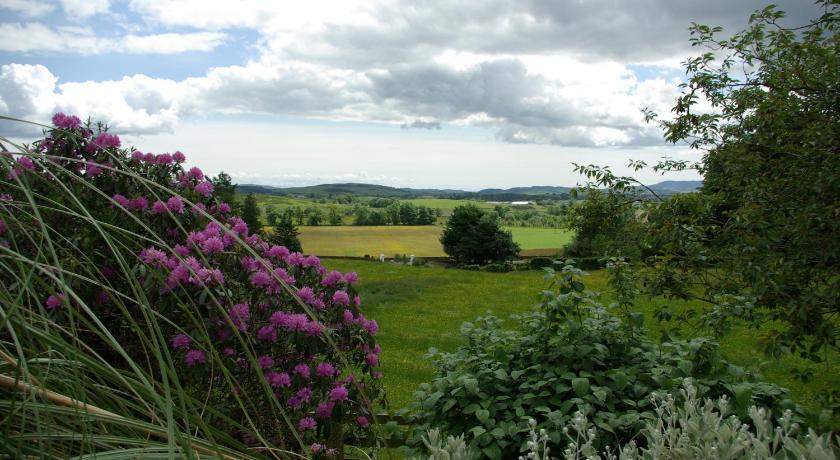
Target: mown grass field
[420,240]
[422,307]
[530,238]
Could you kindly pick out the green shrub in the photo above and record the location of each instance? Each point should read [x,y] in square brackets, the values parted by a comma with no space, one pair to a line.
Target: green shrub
[538,263]
[473,236]
[498,268]
[570,354]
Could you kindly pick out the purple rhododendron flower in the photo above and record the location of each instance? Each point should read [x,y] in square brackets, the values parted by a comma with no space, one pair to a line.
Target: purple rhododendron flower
[140,203]
[304,394]
[325,370]
[199,209]
[104,141]
[239,315]
[175,204]
[294,258]
[265,361]
[164,159]
[347,316]
[26,163]
[284,275]
[212,245]
[194,357]
[195,173]
[311,261]
[278,379]
[339,393]
[267,333]
[121,200]
[302,370]
[351,278]
[158,207]
[137,155]
[372,359]
[331,279]
[92,169]
[204,188]
[54,302]
[324,409]
[60,120]
[306,294]
[223,208]
[341,298]
[181,341]
[307,423]
[179,157]
[362,421]
[153,256]
[278,252]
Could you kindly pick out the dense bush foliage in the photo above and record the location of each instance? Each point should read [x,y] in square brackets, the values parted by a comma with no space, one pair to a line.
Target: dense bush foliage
[136,259]
[554,216]
[393,213]
[605,224]
[759,240]
[570,354]
[473,236]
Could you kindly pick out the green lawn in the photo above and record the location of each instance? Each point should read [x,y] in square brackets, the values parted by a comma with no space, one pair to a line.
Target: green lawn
[420,240]
[541,238]
[422,307]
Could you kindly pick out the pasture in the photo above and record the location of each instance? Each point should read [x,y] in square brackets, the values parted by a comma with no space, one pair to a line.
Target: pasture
[422,307]
[420,240]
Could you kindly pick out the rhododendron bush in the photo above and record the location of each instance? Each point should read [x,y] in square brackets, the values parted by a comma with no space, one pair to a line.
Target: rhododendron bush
[136,252]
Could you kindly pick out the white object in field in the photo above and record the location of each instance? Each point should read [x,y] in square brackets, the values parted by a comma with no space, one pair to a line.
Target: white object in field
[382,257]
[411,259]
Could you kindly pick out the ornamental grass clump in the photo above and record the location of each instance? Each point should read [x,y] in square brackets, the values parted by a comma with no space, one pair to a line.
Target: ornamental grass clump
[129,291]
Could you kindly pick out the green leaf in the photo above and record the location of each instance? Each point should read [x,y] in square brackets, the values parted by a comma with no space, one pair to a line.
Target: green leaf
[471,385]
[492,451]
[501,375]
[581,386]
[448,405]
[482,415]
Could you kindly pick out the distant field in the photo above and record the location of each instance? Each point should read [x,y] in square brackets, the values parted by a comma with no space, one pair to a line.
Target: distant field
[421,240]
[541,238]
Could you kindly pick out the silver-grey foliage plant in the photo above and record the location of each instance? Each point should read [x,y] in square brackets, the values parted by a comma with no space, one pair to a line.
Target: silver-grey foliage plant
[700,428]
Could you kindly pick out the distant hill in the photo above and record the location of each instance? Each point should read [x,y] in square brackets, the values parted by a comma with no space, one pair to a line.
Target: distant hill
[677,186]
[534,190]
[492,194]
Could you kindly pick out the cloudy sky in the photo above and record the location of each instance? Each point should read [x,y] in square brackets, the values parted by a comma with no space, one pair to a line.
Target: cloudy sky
[488,93]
